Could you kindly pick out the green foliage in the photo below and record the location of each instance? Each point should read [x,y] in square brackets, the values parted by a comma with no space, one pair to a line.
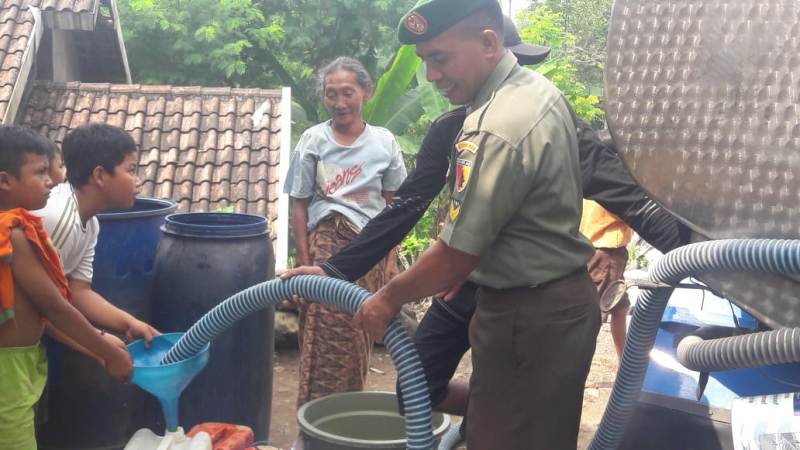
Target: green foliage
[226,209]
[422,236]
[415,110]
[416,242]
[543,26]
[403,113]
[433,102]
[256,43]
[587,22]
[192,42]
[391,86]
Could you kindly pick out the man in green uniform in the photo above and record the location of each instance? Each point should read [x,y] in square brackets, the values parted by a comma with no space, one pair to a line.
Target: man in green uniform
[512,228]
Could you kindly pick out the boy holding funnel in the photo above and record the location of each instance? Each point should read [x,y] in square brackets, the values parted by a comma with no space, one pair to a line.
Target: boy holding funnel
[101,163]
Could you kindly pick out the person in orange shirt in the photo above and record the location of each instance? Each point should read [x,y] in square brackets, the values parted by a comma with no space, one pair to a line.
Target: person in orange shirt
[610,237]
[33,290]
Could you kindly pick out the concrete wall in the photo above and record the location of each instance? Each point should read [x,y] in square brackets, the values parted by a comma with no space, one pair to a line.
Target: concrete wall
[66,63]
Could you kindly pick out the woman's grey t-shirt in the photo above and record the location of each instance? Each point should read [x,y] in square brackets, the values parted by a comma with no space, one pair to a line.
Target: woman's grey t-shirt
[347,179]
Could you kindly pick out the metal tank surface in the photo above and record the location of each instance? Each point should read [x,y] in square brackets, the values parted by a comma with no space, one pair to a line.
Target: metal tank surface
[703,102]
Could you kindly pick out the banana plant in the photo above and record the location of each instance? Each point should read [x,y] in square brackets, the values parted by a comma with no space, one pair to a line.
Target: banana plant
[433,102]
[392,103]
[396,103]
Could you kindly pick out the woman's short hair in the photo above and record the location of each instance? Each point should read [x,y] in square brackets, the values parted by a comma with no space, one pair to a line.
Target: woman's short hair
[343,63]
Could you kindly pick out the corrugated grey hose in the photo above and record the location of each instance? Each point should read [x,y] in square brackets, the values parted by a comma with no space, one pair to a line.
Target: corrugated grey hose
[777,256]
[737,352]
[347,297]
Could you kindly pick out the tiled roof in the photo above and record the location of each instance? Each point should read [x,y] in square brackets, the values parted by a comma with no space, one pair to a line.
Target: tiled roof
[16,31]
[205,148]
[58,5]
[64,14]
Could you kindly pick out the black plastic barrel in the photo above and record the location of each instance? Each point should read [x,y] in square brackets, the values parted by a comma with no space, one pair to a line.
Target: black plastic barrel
[85,408]
[203,259]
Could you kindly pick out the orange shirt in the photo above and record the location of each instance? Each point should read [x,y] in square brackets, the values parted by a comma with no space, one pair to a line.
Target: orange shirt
[35,233]
[603,228]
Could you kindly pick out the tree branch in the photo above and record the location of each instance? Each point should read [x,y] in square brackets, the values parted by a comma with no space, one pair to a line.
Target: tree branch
[286,78]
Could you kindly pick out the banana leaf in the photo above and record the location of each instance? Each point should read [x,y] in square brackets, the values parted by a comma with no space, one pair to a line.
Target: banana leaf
[433,102]
[405,111]
[549,68]
[408,144]
[391,86]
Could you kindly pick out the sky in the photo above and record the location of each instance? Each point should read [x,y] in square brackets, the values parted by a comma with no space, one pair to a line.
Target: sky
[516,5]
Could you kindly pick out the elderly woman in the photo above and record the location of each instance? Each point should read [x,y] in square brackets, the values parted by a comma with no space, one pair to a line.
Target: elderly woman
[343,172]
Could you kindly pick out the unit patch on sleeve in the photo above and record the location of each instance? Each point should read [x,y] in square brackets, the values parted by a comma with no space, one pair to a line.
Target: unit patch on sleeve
[466,146]
[463,170]
[455,208]
[464,159]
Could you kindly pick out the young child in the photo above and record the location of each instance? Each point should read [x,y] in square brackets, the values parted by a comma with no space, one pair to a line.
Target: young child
[57,172]
[33,290]
[101,163]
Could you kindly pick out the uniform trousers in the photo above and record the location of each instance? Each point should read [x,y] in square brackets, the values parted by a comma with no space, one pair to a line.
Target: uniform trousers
[532,348]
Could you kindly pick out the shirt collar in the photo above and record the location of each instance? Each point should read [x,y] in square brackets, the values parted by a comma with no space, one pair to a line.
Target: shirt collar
[501,71]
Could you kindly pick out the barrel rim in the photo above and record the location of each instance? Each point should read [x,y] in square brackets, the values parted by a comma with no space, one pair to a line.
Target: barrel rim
[310,429]
[166,207]
[217,225]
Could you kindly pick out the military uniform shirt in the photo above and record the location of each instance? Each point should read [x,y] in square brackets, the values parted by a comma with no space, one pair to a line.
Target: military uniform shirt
[516,183]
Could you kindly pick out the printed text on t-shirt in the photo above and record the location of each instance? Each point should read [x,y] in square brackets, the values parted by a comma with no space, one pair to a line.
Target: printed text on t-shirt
[344,178]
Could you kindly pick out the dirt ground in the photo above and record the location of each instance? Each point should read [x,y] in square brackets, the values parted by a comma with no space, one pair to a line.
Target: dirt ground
[283,426]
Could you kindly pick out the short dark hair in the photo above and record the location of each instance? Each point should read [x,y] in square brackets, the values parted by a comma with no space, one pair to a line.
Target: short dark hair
[489,16]
[15,142]
[55,148]
[92,145]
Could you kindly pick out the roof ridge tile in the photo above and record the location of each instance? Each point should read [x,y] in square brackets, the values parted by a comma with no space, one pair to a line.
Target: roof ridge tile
[186,90]
[102,87]
[125,88]
[225,91]
[155,89]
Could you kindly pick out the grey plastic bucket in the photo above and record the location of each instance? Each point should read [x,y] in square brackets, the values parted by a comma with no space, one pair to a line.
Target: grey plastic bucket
[358,420]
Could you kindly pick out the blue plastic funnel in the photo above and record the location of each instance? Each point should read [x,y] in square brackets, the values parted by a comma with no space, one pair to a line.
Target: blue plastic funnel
[166,382]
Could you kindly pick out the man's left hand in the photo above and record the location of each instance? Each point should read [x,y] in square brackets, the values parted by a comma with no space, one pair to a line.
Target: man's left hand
[136,329]
[375,314]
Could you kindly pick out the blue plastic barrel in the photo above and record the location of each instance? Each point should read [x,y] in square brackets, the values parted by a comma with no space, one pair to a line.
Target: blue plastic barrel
[203,259]
[125,254]
[85,408]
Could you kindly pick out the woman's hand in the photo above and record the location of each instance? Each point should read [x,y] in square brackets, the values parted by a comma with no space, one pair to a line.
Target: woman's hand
[303,270]
[297,302]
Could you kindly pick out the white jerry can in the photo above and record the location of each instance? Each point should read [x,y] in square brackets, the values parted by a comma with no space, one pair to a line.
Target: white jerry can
[144,439]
